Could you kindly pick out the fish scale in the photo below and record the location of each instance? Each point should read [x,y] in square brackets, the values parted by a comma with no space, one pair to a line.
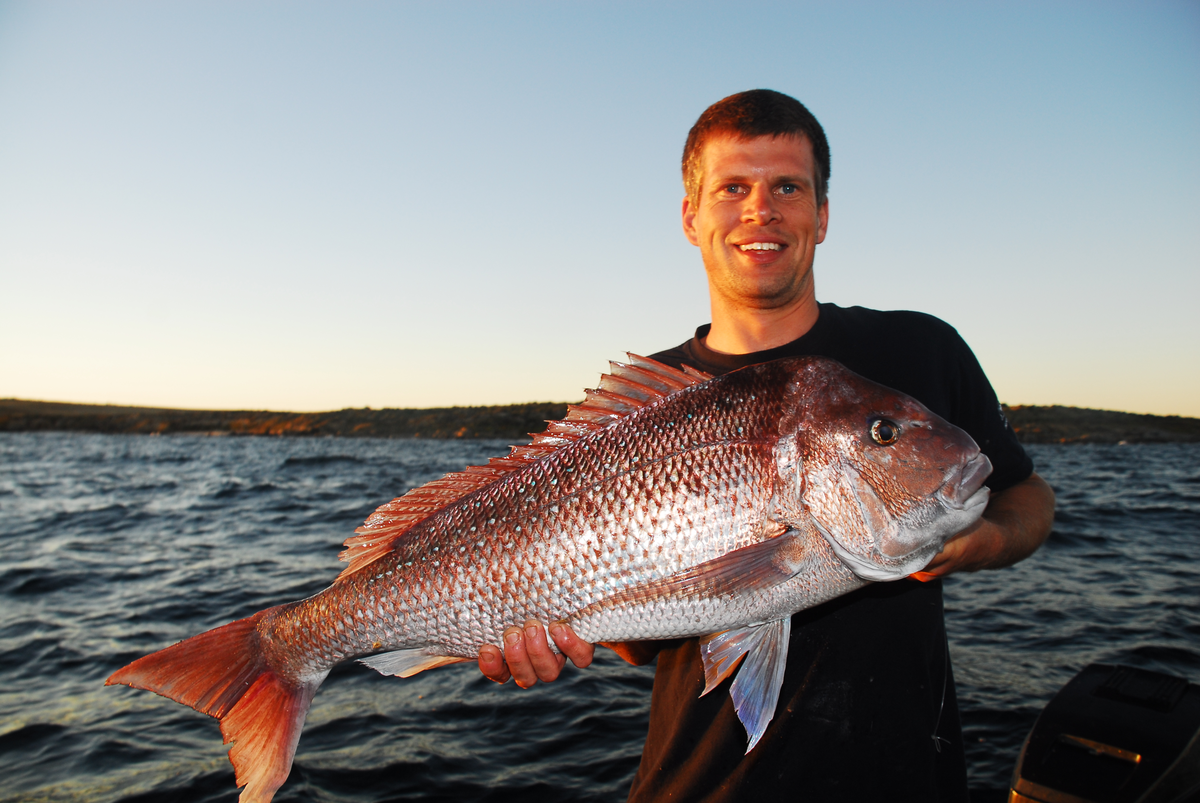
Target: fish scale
[668,504]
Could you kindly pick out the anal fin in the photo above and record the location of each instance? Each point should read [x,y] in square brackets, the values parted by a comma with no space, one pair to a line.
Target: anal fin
[755,690]
[406,663]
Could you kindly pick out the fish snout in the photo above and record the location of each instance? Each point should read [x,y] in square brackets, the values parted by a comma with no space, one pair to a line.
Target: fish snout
[971,476]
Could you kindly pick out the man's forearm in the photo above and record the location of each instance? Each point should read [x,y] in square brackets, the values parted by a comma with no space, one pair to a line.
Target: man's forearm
[1026,513]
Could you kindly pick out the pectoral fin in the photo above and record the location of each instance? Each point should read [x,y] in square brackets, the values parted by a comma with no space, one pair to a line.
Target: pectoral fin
[755,568]
[755,690]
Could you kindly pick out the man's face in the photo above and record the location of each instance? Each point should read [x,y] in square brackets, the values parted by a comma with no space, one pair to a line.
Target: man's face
[756,219]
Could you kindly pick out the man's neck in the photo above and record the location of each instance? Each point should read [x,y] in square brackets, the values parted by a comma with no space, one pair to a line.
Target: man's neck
[745,331]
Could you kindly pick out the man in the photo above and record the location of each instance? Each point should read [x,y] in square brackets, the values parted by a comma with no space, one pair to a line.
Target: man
[868,710]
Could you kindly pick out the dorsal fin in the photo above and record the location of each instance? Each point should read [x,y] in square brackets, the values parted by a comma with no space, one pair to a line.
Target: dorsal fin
[627,388]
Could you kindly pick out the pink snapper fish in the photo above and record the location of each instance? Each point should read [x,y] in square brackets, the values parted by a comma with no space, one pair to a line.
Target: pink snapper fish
[668,504]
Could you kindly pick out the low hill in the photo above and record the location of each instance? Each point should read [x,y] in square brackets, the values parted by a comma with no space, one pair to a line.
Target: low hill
[510,422]
[1057,424]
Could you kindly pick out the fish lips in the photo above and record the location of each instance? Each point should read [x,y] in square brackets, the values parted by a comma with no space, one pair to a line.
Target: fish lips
[967,490]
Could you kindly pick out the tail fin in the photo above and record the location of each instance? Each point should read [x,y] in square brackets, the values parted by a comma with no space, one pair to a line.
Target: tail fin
[224,673]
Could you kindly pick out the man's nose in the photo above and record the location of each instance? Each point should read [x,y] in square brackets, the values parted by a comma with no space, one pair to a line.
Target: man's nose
[760,206]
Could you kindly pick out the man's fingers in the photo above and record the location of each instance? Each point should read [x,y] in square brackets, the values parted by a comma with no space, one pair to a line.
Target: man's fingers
[528,656]
[579,651]
[516,654]
[954,555]
[546,664]
[492,665]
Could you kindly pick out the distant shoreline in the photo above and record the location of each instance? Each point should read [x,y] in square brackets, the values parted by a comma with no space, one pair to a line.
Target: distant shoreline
[513,422]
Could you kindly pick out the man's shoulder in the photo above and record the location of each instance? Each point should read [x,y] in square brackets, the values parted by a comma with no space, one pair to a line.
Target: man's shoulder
[873,321]
[896,337]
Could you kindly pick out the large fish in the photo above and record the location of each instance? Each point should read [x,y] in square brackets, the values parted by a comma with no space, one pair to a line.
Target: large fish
[668,504]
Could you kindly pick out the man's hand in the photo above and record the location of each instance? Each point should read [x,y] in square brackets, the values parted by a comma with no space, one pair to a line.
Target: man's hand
[1014,525]
[527,656]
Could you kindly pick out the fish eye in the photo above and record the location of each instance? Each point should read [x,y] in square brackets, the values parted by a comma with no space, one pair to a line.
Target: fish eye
[884,432]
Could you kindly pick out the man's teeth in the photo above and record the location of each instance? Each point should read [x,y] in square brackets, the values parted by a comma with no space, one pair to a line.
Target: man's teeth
[761,247]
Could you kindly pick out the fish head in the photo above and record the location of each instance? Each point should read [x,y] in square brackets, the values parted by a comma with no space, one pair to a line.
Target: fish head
[886,481]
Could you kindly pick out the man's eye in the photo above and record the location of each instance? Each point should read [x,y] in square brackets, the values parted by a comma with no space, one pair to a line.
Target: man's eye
[731,189]
[788,189]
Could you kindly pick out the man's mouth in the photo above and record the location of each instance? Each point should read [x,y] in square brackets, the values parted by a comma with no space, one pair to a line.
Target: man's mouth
[761,247]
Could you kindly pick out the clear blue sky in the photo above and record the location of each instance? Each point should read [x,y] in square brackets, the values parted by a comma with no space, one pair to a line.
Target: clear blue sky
[319,205]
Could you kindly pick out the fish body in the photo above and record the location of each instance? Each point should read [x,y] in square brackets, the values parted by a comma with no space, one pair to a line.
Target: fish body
[669,504]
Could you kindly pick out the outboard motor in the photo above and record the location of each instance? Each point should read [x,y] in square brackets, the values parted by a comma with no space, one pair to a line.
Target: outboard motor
[1114,734]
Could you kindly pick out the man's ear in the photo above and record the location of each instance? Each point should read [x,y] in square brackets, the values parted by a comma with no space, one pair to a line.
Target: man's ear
[689,221]
[823,221]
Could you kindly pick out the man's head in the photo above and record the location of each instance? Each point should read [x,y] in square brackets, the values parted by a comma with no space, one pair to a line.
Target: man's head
[747,115]
[756,168]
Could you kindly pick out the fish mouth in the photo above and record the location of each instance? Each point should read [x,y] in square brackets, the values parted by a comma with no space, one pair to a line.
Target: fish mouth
[966,487]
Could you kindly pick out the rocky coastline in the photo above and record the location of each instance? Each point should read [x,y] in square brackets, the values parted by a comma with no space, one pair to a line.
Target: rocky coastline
[512,422]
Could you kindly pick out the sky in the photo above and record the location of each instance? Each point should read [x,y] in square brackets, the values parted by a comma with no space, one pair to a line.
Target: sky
[313,206]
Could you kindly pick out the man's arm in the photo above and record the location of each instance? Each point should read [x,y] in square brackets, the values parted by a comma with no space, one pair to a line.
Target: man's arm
[1016,522]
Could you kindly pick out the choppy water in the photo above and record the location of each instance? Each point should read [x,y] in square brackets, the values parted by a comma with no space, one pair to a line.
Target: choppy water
[114,546]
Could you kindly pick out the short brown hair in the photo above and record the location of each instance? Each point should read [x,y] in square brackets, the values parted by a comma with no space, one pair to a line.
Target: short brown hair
[756,113]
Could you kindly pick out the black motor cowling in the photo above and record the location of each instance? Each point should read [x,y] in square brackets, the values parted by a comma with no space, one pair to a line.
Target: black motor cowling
[1114,734]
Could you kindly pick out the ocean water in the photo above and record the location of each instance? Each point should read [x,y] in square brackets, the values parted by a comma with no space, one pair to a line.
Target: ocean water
[114,546]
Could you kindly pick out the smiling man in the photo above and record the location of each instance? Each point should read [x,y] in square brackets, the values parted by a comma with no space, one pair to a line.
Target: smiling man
[867,711]
[756,210]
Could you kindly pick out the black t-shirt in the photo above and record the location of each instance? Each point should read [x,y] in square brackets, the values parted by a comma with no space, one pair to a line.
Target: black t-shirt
[868,683]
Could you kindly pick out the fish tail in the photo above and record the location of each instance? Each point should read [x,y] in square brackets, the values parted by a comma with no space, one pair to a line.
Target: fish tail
[224,673]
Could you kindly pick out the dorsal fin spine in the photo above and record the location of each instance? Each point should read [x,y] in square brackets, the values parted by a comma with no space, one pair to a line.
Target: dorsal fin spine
[662,385]
[596,417]
[628,388]
[687,376]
